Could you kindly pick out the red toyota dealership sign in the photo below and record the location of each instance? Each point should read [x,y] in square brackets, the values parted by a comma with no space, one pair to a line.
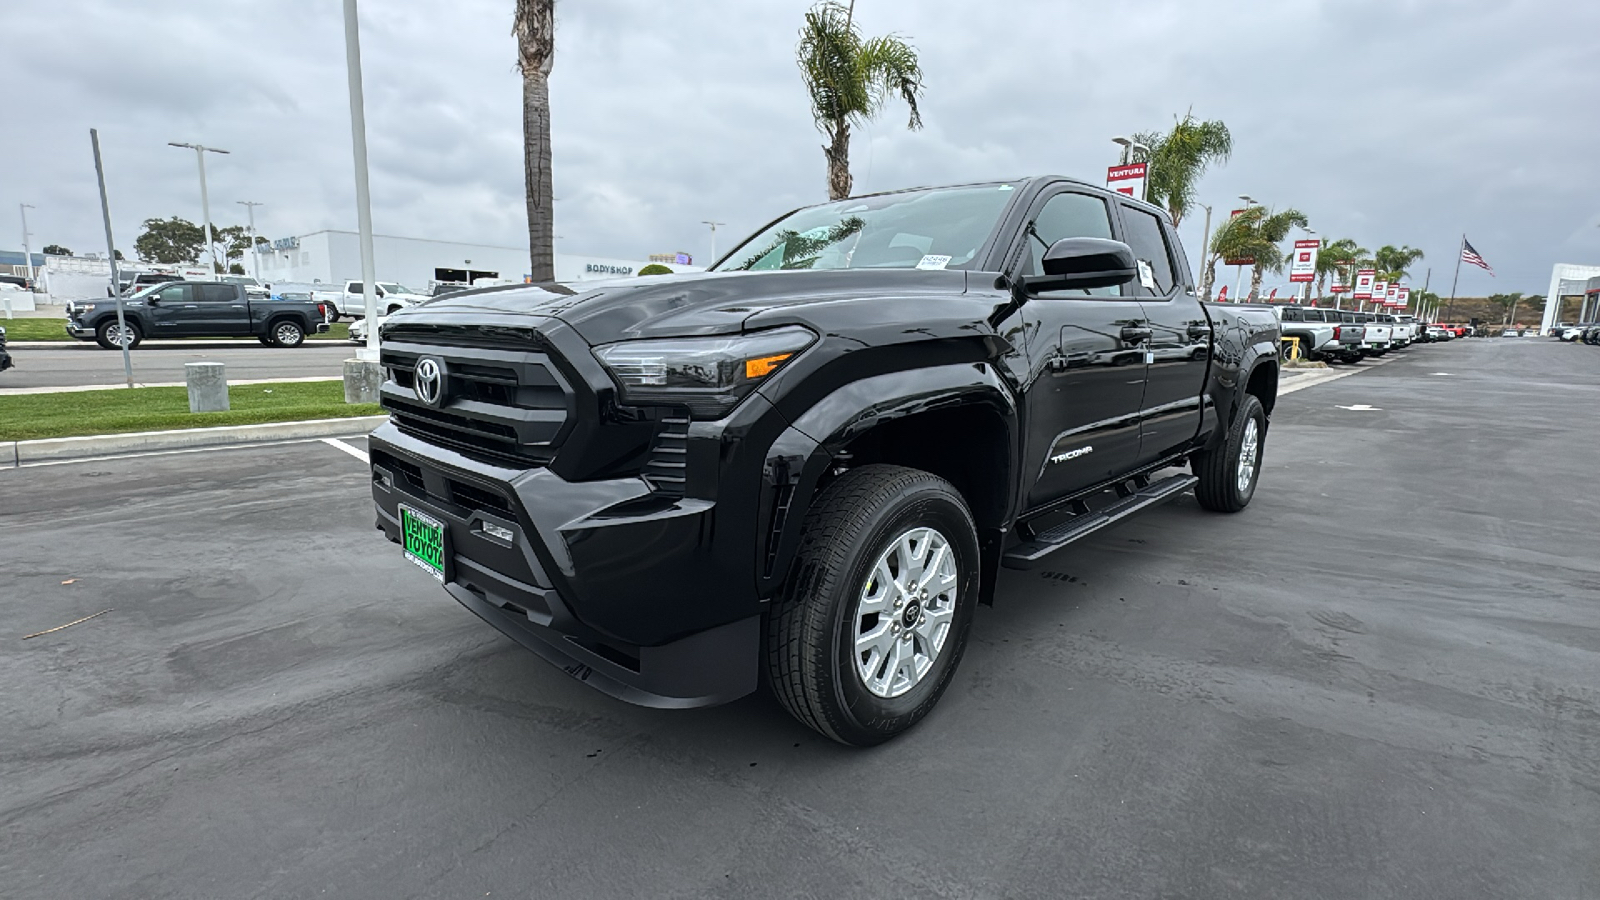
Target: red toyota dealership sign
[1404,298]
[1303,269]
[1364,279]
[1127,179]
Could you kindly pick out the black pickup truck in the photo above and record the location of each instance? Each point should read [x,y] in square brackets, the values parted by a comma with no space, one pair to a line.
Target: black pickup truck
[809,463]
[196,309]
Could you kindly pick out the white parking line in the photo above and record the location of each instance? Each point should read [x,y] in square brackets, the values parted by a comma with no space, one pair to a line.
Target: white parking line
[358,454]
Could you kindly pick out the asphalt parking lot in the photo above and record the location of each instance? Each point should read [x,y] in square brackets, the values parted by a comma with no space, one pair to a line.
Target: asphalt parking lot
[1380,680]
[161,362]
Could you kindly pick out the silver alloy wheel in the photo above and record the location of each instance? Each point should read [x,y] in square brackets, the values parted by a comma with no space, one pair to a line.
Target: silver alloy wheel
[1249,447]
[288,334]
[119,335]
[905,612]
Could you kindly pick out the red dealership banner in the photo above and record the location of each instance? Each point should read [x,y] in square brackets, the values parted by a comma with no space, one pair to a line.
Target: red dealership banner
[1127,179]
[1364,279]
[1405,297]
[1303,269]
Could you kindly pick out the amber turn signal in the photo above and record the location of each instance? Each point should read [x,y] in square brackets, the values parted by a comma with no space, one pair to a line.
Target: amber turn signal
[761,368]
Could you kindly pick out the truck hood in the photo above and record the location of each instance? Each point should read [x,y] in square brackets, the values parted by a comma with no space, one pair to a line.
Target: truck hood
[685,304]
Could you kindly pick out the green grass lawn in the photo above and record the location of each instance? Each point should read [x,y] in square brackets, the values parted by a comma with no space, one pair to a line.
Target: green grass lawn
[30,416]
[55,329]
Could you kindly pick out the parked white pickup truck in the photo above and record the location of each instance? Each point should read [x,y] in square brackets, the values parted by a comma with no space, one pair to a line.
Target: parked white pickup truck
[392,297]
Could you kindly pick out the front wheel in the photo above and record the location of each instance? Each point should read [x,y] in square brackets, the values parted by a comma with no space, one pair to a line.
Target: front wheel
[287,334]
[877,610]
[112,336]
[1228,474]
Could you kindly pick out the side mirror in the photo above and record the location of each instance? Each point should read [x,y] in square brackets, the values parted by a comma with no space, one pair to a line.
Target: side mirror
[1077,263]
[153,300]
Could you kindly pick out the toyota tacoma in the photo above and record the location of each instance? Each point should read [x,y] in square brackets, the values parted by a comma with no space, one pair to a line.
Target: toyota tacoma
[807,465]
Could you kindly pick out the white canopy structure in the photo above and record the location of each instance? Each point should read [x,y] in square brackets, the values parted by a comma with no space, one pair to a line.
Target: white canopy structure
[1566,280]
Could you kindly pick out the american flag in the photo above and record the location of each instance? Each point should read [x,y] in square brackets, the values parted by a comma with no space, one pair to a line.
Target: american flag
[1471,256]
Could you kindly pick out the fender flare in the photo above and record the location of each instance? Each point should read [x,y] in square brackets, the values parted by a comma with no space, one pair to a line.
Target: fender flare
[803,454]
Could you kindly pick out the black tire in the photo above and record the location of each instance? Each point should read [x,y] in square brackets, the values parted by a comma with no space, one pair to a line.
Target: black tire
[103,334]
[1219,469]
[265,341]
[286,333]
[392,310]
[812,628]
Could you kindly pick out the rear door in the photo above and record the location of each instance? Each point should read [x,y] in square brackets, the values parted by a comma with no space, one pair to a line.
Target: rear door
[220,310]
[1180,336]
[1087,369]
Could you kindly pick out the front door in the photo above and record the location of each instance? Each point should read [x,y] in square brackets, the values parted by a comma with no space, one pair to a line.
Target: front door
[1180,336]
[169,310]
[1087,371]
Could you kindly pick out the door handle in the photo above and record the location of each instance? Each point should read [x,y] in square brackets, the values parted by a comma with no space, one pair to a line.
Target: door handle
[1135,334]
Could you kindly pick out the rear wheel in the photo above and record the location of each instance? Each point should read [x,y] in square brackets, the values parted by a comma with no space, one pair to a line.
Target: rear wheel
[112,335]
[285,333]
[876,614]
[1228,473]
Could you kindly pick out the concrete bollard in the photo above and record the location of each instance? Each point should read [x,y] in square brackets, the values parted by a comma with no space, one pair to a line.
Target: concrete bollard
[362,378]
[208,386]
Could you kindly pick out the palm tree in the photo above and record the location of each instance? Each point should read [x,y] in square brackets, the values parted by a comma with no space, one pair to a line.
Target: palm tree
[1394,263]
[534,26]
[1178,158]
[850,79]
[1234,240]
[1336,256]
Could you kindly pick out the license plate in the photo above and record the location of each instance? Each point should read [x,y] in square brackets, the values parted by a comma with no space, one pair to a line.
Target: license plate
[422,538]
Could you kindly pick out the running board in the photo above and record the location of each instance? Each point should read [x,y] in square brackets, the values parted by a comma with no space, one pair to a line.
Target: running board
[1028,553]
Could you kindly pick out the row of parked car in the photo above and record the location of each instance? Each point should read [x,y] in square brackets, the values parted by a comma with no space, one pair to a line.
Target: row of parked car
[1581,333]
[1342,335]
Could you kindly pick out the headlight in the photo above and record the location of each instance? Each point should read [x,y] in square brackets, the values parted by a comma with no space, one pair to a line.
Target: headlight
[80,308]
[708,375]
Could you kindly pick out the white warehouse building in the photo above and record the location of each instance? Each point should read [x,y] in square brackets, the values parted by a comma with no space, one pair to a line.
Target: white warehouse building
[335,257]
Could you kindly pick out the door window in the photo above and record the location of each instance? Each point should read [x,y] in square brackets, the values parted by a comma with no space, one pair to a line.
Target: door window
[1068,215]
[178,293]
[1143,234]
[216,293]
[1291,315]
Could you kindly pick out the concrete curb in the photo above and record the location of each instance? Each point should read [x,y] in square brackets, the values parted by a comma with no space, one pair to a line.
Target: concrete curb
[80,388]
[22,453]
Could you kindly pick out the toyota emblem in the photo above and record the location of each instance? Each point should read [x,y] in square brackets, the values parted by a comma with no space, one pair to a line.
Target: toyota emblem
[429,380]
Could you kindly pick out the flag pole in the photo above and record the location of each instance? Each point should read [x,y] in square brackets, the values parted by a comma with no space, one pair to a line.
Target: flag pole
[1451,310]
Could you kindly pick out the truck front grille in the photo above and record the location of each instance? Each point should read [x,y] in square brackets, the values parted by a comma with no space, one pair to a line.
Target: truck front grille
[508,407]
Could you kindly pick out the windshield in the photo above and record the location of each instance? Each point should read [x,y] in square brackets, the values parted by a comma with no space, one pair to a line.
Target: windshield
[392,287]
[933,229]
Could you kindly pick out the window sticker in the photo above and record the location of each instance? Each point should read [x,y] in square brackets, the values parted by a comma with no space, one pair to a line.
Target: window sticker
[1147,275]
[933,261]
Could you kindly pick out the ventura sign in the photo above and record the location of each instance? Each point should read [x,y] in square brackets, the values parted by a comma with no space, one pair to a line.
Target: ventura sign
[1127,179]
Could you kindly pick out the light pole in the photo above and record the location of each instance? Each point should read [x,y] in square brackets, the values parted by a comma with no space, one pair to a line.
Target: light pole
[255,257]
[713,239]
[1128,146]
[1205,256]
[27,252]
[1238,270]
[205,201]
[367,358]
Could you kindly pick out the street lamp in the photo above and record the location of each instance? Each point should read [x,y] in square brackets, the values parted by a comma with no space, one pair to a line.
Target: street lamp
[255,256]
[713,238]
[1238,270]
[205,201]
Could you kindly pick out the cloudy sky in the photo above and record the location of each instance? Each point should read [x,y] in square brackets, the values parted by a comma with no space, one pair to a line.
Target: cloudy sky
[1389,121]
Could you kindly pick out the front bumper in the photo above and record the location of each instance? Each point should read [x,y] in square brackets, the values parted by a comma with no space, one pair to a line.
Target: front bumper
[615,585]
[81,332]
